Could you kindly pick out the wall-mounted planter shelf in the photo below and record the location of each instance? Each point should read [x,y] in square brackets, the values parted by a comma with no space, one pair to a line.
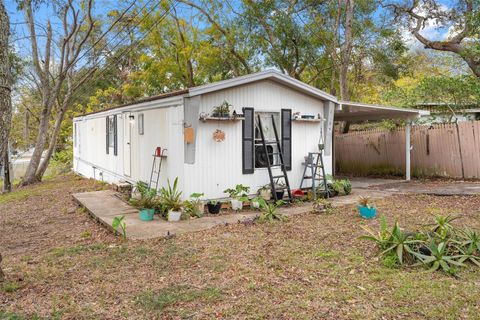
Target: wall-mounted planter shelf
[306,120]
[221,119]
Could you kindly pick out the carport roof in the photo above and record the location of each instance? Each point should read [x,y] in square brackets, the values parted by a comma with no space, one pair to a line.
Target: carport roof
[356,112]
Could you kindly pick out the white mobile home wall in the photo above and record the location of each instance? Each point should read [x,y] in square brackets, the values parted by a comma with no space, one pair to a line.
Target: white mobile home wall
[216,165]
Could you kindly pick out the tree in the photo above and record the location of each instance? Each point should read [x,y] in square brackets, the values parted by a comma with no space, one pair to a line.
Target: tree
[462,20]
[5,94]
[56,81]
[5,98]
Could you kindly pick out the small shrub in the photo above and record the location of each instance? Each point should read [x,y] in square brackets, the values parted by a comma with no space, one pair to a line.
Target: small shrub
[269,211]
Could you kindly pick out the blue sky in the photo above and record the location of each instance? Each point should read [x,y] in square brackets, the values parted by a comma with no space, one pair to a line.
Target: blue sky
[101,7]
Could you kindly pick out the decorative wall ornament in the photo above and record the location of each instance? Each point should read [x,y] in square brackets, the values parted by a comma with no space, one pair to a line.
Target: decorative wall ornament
[219,135]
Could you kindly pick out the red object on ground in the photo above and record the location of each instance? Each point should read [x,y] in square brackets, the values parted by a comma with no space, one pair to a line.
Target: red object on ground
[298,193]
[158,151]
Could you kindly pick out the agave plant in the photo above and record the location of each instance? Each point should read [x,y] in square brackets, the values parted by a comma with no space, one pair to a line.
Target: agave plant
[440,257]
[382,238]
[469,246]
[170,196]
[400,243]
[443,227]
[269,211]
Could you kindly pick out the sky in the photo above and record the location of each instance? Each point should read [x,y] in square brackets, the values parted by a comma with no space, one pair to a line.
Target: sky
[102,7]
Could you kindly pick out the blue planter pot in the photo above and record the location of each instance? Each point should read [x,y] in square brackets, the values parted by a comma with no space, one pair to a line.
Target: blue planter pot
[146,214]
[367,213]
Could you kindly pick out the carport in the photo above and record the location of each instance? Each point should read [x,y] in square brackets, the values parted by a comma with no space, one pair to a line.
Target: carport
[355,112]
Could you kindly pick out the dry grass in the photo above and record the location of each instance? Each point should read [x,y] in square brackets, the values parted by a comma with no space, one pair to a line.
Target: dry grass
[61,264]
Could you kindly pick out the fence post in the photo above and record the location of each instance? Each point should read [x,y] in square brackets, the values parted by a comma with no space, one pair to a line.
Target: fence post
[460,150]
[407,150]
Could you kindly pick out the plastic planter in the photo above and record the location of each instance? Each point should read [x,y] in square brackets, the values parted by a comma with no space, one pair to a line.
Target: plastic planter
[279,194]
[367,212]
[236,204]
[146,214]
[214,208]
[174,215]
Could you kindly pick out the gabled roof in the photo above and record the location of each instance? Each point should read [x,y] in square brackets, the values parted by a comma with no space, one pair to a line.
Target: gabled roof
[263,75]
[347,110]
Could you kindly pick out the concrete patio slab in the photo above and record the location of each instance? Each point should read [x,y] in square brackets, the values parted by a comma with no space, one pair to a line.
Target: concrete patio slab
[105,205]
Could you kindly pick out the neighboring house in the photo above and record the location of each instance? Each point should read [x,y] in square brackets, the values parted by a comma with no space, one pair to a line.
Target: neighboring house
[441,113]
[208,154]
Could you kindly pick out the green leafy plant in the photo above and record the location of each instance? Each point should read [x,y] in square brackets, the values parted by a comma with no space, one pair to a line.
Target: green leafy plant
[443,227]
[269,211]
[347,186]
[440,257]
[469,246]
[144,190]
[119,222]
[240,192]
[221,110]
[381,238]
[193,205]
[401,244]
[170,197]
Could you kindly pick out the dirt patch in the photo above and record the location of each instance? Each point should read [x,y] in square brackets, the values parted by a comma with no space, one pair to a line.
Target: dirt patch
[313,266]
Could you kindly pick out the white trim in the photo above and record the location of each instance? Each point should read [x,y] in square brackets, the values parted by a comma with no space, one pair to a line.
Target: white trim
[382,107]
[97,167]
[142,106]
[263,75]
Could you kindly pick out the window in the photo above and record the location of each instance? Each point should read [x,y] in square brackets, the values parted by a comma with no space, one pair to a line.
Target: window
[261,160]
[140,123]
[111,132]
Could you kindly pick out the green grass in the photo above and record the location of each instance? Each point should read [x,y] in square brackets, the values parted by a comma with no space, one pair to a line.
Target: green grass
[70,251]
[158,301]
[10,287]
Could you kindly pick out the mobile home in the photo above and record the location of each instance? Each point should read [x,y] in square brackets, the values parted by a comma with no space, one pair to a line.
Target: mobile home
[207,153]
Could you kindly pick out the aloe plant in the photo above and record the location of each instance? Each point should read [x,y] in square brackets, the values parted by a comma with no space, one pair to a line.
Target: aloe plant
[443,226]
[382,238]
[171,196]
[440,257]
[269,211]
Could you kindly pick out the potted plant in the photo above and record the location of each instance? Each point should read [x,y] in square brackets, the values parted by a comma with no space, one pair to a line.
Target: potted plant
[265,192]
[194,206]
[171,201]
[147,201]
[366,208]
[238,195]
[255,203]
[214,206]
[279,190]
[222,111]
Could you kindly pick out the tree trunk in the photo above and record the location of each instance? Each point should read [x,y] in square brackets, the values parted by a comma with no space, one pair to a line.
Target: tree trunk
[345,57]
[31,174]
[52,144]
[5,98]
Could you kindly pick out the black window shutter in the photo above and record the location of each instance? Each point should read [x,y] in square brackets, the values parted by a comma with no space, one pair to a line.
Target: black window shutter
[287,137]
[115,144]
[107,136]
[248,143]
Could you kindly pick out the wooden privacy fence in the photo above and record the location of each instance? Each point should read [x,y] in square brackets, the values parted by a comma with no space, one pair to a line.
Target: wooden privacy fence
[450,150]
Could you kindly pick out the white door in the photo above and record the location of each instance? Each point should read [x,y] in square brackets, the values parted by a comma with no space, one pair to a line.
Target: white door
[127,145]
